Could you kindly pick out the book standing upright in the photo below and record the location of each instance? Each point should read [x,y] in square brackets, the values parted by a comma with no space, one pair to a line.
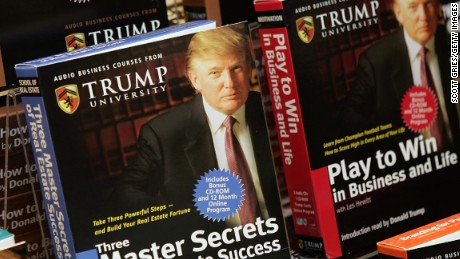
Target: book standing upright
[352,123]
[118,180]
[32,29]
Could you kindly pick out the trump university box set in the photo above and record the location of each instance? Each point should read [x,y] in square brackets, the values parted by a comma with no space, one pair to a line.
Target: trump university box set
[128,160]
[367,129]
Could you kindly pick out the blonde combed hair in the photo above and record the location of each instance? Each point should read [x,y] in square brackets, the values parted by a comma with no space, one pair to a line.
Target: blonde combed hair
[218,42]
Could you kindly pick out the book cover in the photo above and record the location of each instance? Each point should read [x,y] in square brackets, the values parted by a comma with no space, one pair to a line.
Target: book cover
[439,239]
[369,139]
[124,179]
[33,29]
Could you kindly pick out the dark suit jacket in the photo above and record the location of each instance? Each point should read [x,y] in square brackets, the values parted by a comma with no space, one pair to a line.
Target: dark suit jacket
[383,76]
[175,149]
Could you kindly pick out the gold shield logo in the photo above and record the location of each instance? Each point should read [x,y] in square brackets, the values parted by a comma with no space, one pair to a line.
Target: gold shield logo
[75,41]
[67,98]
[305,28]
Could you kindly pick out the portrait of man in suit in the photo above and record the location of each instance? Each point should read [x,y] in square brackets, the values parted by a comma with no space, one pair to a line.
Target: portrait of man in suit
[417,54]
[176,148]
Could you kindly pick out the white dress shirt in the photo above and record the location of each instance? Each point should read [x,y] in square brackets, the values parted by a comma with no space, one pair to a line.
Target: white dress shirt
[431,57]
[241,131]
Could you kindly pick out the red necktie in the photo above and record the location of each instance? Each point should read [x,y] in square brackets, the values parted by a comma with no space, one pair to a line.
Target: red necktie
[238,164]
[437,127]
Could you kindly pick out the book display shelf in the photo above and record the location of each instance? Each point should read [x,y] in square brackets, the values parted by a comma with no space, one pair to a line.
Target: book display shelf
[22,207]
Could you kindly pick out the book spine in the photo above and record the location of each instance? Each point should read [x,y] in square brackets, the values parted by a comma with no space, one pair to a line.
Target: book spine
[47,168]
[284,97]
[309,191]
